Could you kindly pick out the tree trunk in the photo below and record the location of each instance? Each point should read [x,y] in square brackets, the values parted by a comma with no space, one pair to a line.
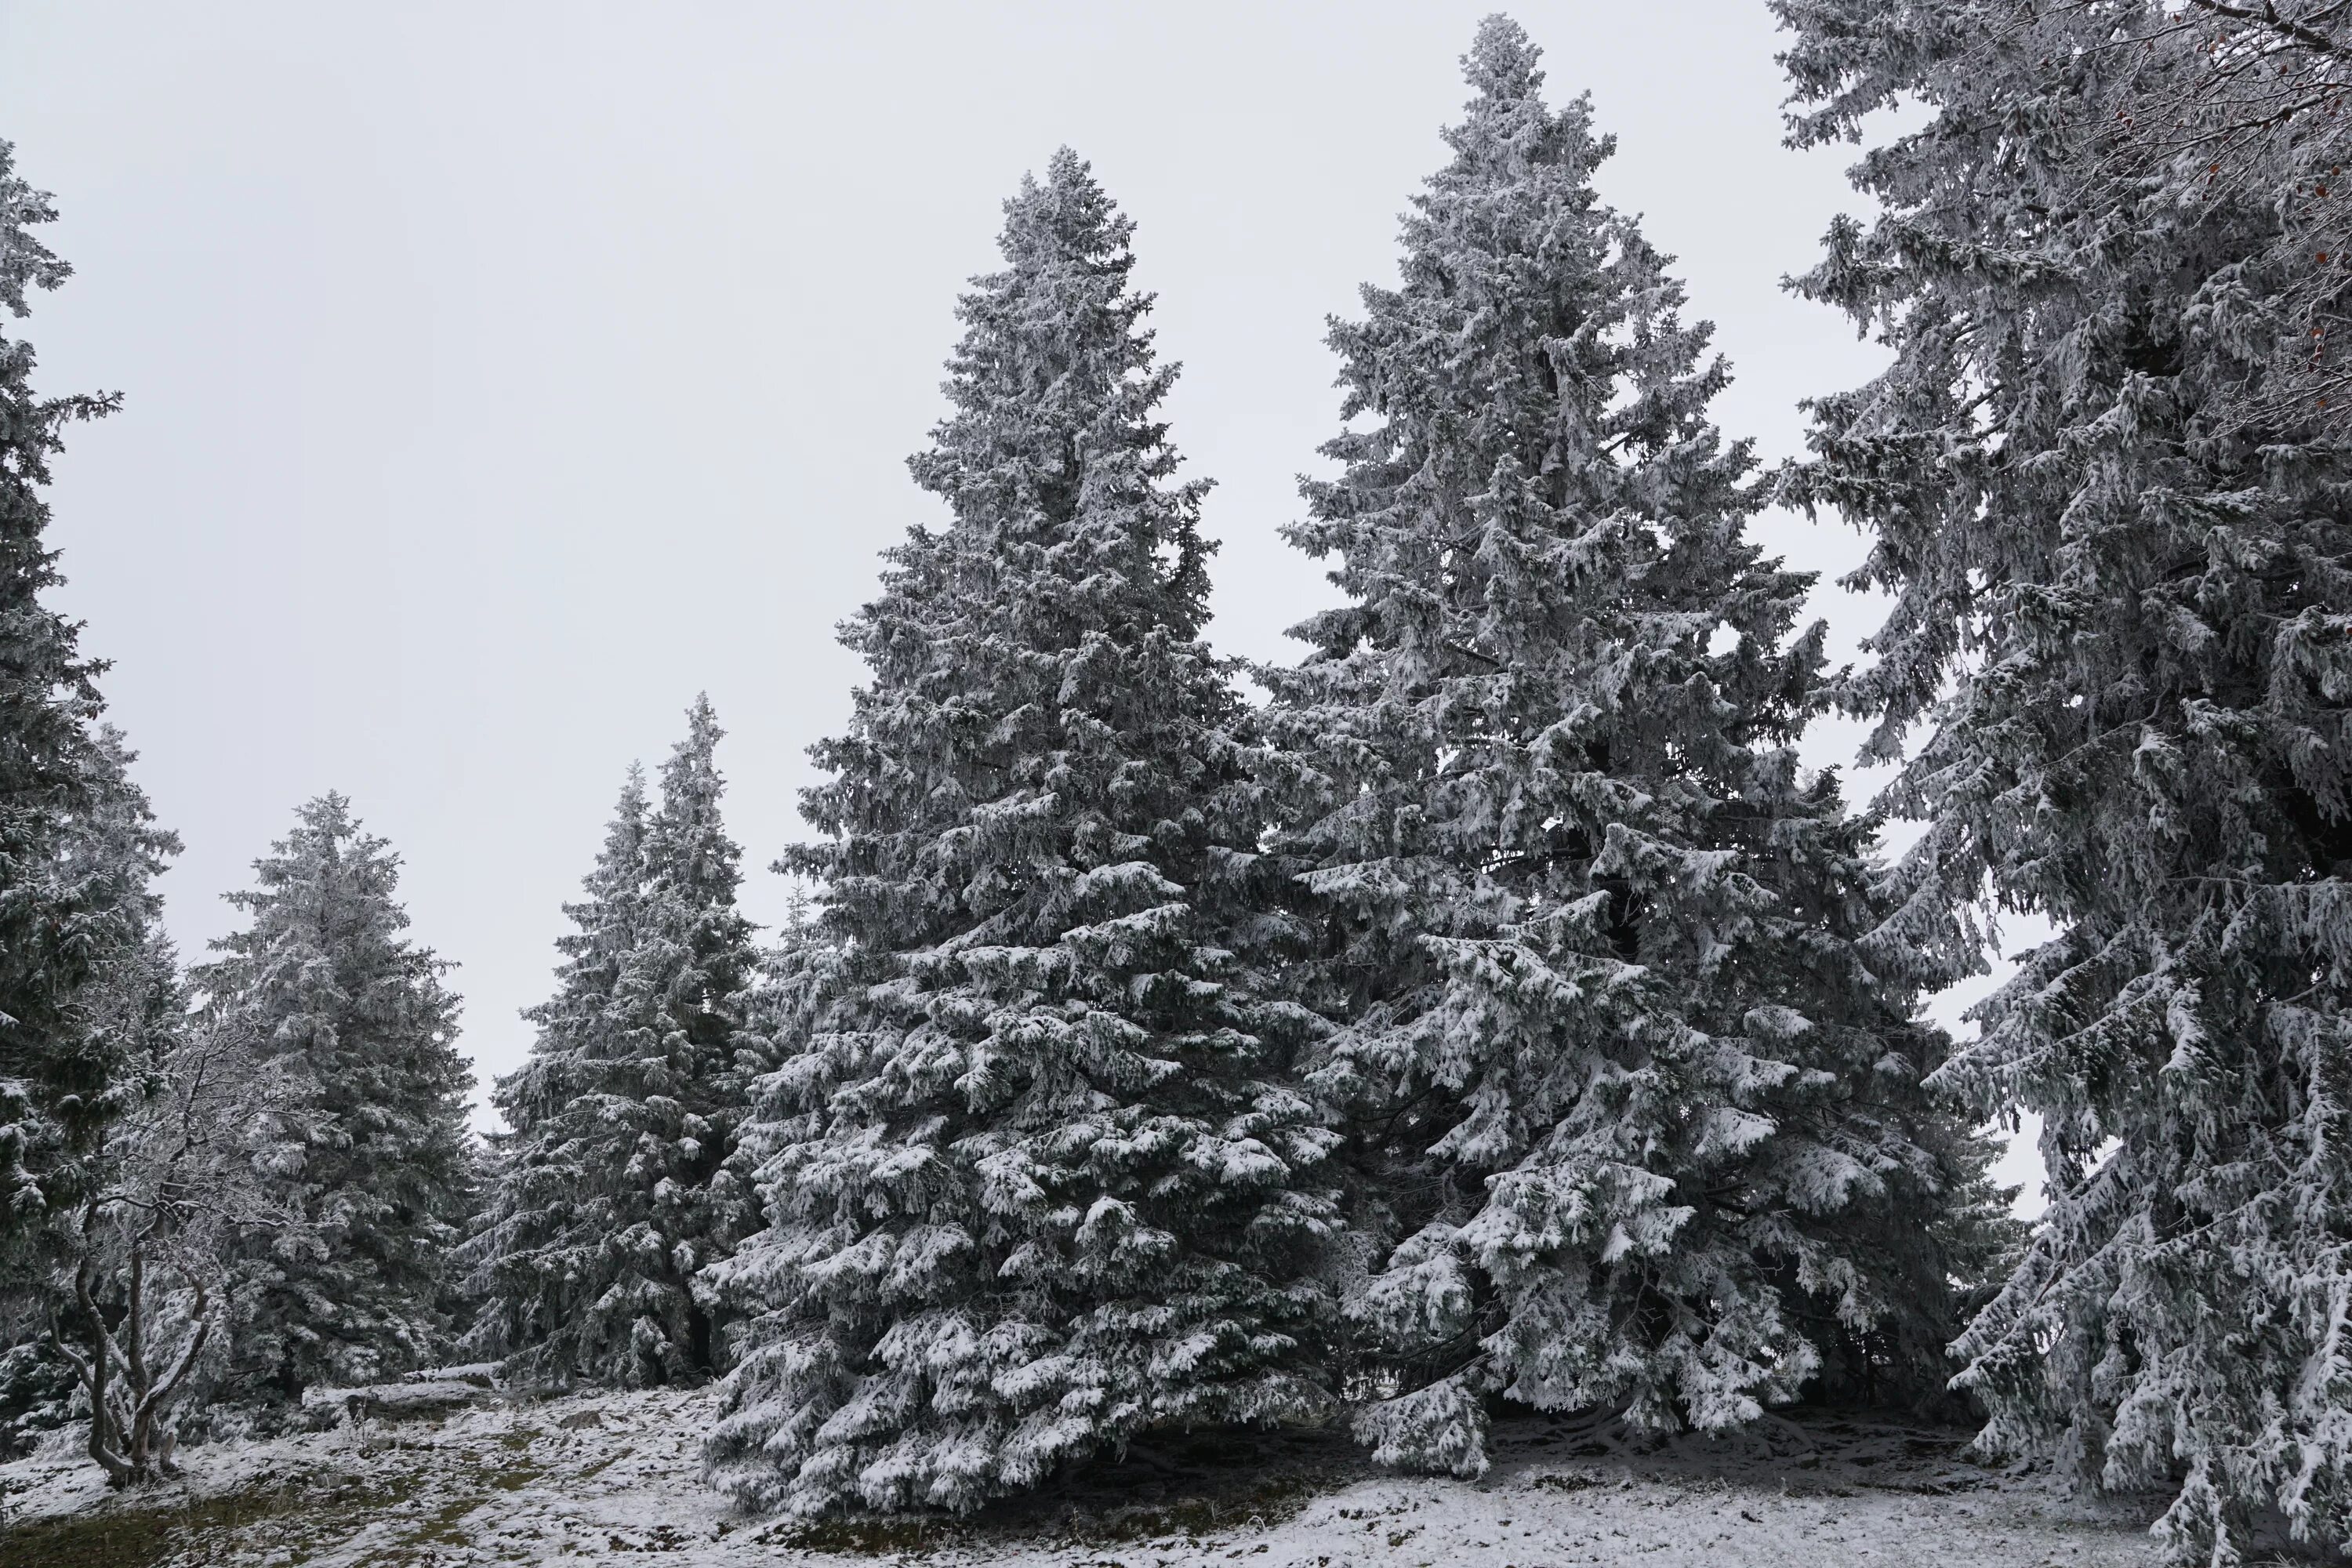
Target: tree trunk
[126,1438]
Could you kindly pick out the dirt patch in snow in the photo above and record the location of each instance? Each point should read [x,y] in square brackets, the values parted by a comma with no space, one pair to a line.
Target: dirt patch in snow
[1187,1487]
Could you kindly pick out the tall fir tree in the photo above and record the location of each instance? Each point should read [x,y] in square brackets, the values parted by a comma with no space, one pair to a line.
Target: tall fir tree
[615,1190]
[2116,673]
[323,979]
[1037,1182]
[61,914]
[536,1256]
[1637,1118]
[697,970]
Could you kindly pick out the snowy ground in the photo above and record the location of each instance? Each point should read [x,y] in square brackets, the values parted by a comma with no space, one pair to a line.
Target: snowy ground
[595,1477]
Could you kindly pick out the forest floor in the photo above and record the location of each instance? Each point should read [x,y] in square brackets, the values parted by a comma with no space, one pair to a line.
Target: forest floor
[609,1477]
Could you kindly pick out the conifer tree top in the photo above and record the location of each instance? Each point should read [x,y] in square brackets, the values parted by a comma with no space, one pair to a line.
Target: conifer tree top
[1058,333]
[325,832]
[689,844]
[1504,72]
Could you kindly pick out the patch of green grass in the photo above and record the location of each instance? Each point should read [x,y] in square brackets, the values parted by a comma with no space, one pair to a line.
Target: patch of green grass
[861,1535]
[871,1536]
[1266,1504]
[186,1530]
[606,1463]
[446,1525]
[132,1537]
[441,1530]
[516,1477]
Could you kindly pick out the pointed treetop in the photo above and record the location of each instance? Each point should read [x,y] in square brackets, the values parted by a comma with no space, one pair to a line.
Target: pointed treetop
[1503,62]
[320,823]
[1069,217]
[1053,443]
[326,819]
[325,834]
[692,769]
[702,730]
[686,841]
[619,867]
[1506,123]
[1068,249]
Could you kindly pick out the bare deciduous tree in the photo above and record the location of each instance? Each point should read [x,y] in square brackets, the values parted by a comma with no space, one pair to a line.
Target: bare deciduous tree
[140,1291]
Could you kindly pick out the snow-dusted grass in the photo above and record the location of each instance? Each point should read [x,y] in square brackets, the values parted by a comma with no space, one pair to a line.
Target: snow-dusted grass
[614,1475]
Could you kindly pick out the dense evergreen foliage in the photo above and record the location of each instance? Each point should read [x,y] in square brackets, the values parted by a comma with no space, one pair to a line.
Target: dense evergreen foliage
[1039,1182]
[612,1191]
[1636,1093]
[322,981]
[2117,669]
[63,915]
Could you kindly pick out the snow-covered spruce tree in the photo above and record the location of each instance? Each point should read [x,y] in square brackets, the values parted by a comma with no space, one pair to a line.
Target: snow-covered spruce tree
[59,916]
[1038,1185]
[696,970]
[802,971]
[2119,655]
[613,1190]
[323,977]
[479,1331]
[536,1255]
[1636,1112]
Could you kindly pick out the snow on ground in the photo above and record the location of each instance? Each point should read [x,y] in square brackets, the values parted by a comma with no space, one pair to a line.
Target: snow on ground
[608,1477]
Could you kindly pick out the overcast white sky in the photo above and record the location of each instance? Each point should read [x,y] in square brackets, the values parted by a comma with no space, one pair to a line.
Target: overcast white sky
[499,375]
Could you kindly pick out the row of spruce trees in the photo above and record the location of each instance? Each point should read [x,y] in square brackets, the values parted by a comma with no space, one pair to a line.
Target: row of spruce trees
[1497,1014]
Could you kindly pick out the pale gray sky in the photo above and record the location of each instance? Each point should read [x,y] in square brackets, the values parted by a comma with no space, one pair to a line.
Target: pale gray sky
[499,375]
